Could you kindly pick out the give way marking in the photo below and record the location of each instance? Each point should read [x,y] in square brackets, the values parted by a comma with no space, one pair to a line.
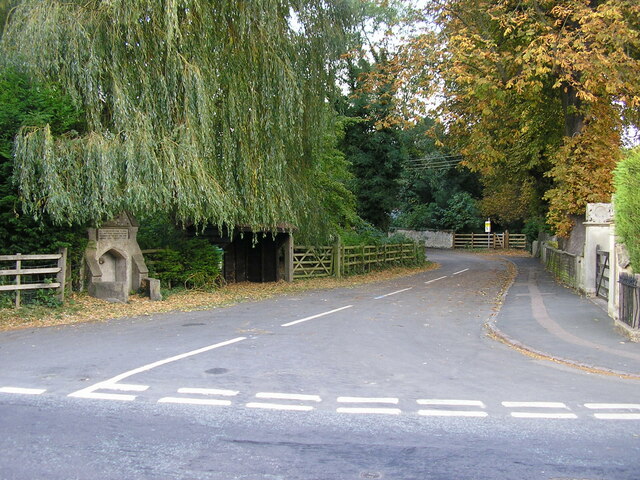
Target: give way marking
[112,383]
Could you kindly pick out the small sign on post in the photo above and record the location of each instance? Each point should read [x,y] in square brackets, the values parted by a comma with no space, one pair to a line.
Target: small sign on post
[487,230]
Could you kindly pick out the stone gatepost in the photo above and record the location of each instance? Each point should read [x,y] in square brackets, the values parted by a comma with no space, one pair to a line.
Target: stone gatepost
[597,236]
[114,261]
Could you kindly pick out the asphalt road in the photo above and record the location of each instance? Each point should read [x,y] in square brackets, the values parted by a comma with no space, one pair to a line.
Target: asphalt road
[395,380]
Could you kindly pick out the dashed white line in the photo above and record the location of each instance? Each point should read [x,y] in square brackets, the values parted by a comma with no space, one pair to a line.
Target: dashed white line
[306,319]
[392,293]
[389,400]
[275,406]
[612,406]
[103,396]
[615,406]
[534,405]
[126,387]
[288,396]
[208,391]
[195,401]
[543,405]
[437,402]
[461,271]
[435,280]
[452,413]
[370,410]
[451,403]
[617,416]
[112,383]
[23,391]
[544,415]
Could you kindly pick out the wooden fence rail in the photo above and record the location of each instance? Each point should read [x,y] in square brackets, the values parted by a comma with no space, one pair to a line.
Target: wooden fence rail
[490,240]
[338,260]
[18,271]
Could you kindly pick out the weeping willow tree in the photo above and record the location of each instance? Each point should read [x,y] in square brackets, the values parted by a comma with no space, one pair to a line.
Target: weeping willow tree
[212,110]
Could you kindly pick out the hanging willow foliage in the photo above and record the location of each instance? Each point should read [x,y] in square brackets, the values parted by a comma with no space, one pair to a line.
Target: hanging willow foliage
[213,110]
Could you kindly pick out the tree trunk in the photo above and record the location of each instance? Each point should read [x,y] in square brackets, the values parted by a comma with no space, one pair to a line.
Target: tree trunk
[572,109]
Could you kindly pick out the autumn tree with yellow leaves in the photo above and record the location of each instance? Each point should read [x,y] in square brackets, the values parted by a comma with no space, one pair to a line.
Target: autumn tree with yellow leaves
[535,94]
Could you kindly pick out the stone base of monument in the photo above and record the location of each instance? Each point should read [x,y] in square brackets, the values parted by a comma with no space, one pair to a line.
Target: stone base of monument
[151,288]
[115,292]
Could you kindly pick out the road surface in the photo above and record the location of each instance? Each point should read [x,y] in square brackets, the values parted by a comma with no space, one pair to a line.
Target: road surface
[394,380]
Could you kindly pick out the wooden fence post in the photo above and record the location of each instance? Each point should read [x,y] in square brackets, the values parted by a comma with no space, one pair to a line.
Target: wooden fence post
[18,268]
[506,239]
[288,258]
[61,276]
[337,258]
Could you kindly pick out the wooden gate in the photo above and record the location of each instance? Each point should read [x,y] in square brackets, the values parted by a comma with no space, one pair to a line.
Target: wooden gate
[490,240]
[312,262]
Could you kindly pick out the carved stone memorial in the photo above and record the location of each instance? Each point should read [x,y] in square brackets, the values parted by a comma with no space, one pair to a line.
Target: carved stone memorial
[114,261]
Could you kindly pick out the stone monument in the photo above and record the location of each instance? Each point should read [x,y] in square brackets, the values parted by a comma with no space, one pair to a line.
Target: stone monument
[115,263]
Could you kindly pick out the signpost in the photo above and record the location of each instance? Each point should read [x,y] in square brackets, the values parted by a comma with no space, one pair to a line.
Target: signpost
[487,230]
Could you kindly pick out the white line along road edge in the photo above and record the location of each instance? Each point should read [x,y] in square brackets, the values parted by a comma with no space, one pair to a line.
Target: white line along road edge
[306,319]
[112,383]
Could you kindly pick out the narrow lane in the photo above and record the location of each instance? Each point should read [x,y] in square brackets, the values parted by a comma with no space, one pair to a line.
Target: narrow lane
[391,380]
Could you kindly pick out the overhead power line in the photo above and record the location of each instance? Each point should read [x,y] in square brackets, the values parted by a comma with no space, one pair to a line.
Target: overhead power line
[433,162]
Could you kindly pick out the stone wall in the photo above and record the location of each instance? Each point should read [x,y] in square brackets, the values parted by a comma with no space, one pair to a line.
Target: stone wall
[431,238]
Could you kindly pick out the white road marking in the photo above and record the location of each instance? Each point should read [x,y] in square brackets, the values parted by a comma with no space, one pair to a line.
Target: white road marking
[195,401]
[534,405]
[612,406]
[452,403]
[544,415]
[539,414]
[615,406]
[461,271]
[111,384]
[452,413]
[435,280]
[104,396]
[392,293]
[375,411]
[306,319]
[23,391]
[617,416]
[275,406]
[208,391]
[288,396]
[367,400]
[126,387]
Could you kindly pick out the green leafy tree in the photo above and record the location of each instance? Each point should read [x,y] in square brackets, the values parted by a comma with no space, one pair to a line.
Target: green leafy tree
[25,102]
[213,111]
[627,205]
[376,154]
[534,95]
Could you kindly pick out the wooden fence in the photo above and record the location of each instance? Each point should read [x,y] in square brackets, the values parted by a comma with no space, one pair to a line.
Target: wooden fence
[341,260]
[31,276]
[490,240]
